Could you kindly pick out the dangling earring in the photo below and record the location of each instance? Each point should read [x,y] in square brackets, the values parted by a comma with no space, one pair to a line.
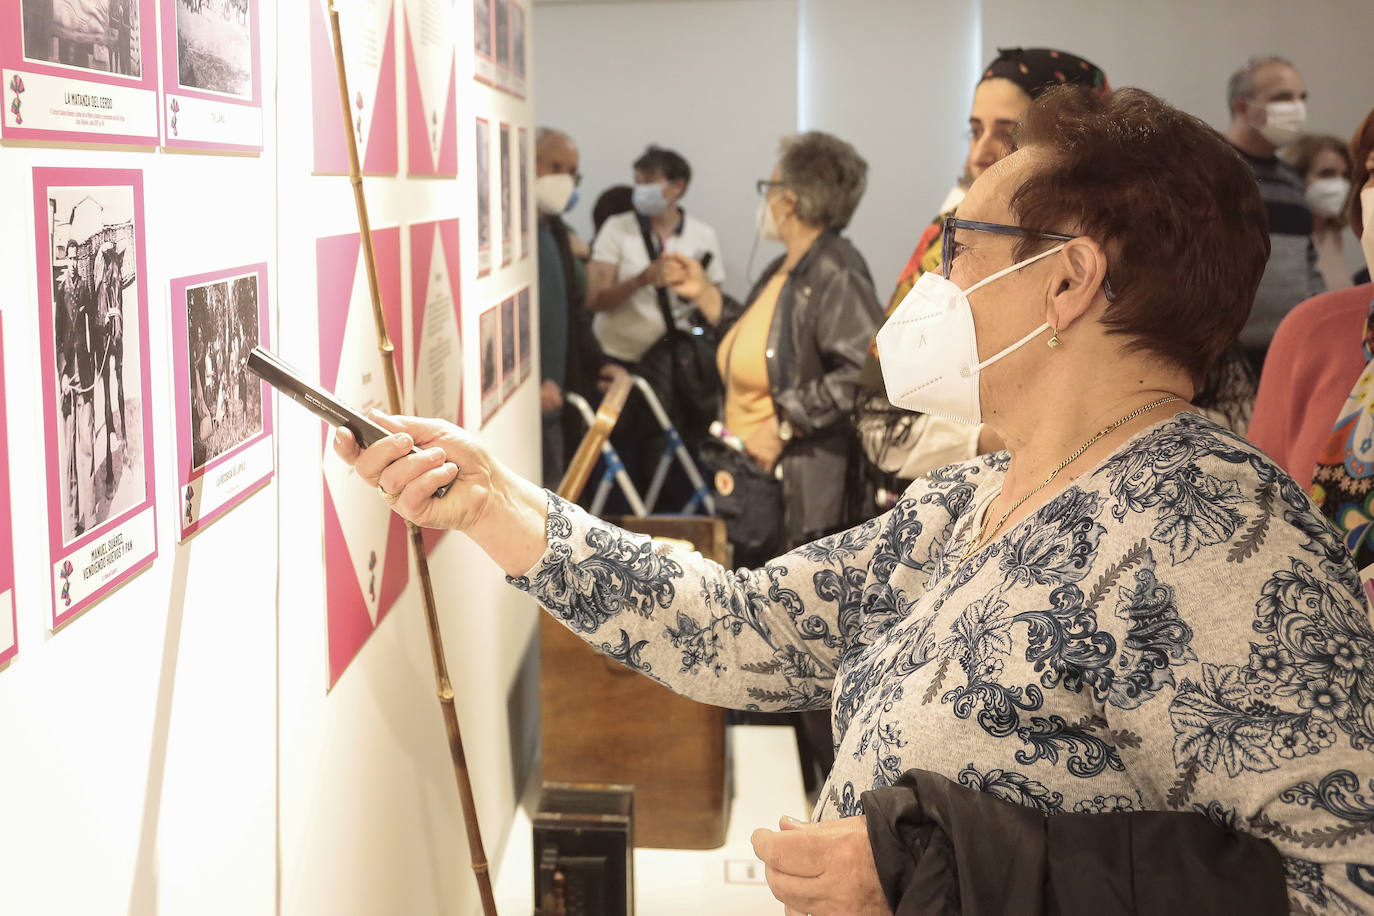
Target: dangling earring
[1054,341]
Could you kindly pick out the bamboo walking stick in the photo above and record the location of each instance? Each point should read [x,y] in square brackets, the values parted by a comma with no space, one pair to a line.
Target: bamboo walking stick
[480,868]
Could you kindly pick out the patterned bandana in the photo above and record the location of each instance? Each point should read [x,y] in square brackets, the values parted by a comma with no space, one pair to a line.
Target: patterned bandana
[1343,484]
[1037,69]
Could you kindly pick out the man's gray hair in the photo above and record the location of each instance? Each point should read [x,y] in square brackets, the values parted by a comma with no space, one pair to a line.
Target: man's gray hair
[827,174]
[1241,85]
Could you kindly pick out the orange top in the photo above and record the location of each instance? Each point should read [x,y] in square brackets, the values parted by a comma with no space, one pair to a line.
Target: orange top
[1312,365]
[743,363]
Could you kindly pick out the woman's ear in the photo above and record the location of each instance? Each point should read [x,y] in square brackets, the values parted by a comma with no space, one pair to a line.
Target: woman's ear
[1080,270]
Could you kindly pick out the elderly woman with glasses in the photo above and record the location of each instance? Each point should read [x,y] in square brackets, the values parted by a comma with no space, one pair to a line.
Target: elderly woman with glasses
[1131,614]
[790,360]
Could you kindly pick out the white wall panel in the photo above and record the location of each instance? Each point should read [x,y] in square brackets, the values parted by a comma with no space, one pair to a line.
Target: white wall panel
[715,81]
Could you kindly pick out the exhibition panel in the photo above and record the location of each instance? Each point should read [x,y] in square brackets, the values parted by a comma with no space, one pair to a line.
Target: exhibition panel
[258,660]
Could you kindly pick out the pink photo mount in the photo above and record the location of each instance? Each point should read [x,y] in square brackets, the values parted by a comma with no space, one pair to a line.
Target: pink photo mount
[422,273]
[9,622]
[375,122]
[366,559]
[209,491]
[47,98]
[421,148]
[203,117]
[114,548]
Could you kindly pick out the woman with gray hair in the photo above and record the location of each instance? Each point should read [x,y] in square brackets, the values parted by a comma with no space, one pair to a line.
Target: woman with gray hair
[790,357]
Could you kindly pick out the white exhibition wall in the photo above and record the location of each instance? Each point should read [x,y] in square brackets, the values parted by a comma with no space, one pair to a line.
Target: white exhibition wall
[619,76]
[877,73]
[174,749]
[140,740]
[895,78]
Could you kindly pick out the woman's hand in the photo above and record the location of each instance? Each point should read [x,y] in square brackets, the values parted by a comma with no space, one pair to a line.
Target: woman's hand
[764,445]
[504,514]
[685,276]
[824,869]
[449,455]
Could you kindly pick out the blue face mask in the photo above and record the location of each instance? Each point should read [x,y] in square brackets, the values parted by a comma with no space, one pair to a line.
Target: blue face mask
[572,201]
[649,200]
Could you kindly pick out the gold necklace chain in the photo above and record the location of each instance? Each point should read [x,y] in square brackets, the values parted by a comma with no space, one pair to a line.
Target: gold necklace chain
[984,535]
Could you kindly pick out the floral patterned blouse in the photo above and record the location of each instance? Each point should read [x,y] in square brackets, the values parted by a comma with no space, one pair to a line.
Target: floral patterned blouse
[1177,630]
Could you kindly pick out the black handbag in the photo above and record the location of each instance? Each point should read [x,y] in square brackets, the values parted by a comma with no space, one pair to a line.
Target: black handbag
[748,498]
[681,367]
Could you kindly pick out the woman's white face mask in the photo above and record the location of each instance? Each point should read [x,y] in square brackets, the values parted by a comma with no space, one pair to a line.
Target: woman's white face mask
[767,222]
[928,349]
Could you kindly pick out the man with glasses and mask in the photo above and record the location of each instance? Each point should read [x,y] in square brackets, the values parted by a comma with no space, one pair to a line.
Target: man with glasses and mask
[1267,99]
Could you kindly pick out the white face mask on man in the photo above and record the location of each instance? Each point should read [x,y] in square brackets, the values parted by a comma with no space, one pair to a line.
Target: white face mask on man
[1283,121]
[649,199]
[928,349]
[553,193]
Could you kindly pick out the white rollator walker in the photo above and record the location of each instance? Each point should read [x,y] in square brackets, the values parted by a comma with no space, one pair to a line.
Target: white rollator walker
[614,473]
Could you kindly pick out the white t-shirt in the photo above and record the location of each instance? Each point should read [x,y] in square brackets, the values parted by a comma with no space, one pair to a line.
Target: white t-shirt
[631,328]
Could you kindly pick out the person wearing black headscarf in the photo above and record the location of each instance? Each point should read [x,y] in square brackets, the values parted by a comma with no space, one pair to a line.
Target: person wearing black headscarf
[900,446]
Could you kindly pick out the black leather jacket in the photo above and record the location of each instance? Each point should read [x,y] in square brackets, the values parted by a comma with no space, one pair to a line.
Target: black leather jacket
[826,314]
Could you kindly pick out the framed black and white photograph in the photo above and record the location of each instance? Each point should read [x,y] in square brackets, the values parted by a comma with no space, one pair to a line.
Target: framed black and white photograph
[523,310]
[97,383]
[223,419]
[79,71]
[484,58]
[517,48]
[483,197]
[489,342]
[96,327]
[525,176]
[215,46]
[502,40]
[507,216]
[105,36]
[226,399]
[510,376]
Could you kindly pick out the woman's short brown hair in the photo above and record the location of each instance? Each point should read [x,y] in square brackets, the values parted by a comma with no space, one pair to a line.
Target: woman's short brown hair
[1174,206]
[1360,147]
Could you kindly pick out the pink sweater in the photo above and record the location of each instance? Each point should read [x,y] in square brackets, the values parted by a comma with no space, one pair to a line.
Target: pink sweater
[1312,364]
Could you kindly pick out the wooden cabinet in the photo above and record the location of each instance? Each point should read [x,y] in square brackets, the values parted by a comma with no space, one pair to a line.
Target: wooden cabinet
[602,723]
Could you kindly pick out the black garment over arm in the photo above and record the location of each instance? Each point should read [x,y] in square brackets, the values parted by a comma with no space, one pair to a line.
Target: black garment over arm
[946,850]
